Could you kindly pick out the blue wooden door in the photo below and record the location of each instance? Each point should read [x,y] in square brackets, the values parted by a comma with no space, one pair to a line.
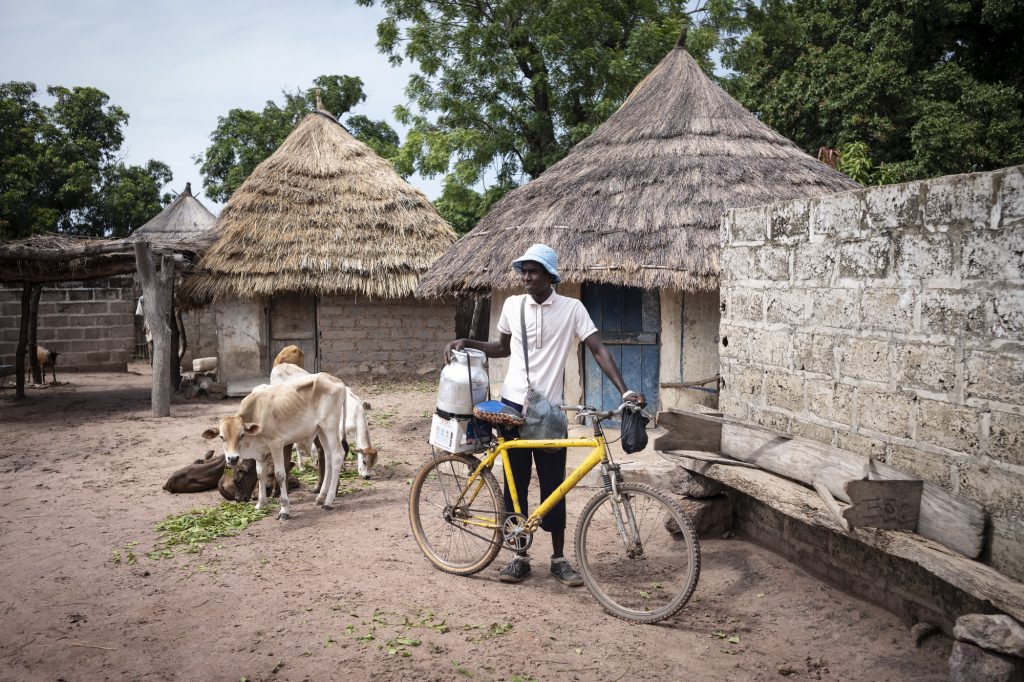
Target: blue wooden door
[629,321]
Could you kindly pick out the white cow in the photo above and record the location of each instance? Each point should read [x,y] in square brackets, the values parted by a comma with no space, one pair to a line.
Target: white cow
[356,429]
[274,416]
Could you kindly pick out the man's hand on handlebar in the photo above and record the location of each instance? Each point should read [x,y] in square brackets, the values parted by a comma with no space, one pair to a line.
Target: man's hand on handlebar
[634,397]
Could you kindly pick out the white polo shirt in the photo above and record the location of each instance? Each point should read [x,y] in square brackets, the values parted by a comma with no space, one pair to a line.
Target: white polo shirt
[550,330]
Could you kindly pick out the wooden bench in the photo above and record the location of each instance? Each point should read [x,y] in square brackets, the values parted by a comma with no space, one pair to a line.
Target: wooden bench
[696,442]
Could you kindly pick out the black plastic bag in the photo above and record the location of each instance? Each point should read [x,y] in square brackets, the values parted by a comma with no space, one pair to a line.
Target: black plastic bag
[634,430]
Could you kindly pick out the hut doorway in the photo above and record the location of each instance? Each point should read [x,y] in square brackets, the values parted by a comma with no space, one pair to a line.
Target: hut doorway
[293,321]
[629,321]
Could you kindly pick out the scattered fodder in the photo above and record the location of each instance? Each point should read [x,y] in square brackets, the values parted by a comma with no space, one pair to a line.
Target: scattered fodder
[192,529]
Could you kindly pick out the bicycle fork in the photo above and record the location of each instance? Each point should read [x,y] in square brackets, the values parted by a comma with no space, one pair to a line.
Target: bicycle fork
[622,510]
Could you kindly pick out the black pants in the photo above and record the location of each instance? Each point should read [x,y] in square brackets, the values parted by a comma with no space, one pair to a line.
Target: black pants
[550,473]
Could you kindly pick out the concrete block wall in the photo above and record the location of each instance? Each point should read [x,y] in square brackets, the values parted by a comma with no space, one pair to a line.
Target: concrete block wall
[360,336]
[890,321]
[91,324]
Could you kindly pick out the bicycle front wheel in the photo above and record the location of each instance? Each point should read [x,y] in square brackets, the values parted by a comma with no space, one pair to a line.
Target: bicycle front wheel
[633,558]
[458,538]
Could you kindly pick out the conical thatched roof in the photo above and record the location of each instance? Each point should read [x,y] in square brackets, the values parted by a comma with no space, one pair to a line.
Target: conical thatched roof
[184,221]
[324,215]
[639,201]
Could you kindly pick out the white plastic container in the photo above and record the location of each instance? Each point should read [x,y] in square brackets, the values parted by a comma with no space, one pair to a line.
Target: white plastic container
[463,383]
[458,434]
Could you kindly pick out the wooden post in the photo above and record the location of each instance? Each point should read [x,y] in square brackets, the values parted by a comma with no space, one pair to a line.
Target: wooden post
[33,334]
[19,360]
[157,306]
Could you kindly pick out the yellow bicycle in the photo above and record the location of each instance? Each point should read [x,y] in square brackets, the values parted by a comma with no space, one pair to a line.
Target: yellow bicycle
[636,548]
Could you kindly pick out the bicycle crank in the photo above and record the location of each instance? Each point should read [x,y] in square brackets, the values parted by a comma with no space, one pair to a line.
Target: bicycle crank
[516,536]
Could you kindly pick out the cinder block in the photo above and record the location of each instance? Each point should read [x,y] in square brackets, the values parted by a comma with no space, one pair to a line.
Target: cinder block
[865,359]
[811,431]
[949,311]
[786,305]
[947,425]
[861,444]
[814,262]
[789,223]
[750,224]
[893,206]
[745,304]
[868,258]
[830,400]
[838,214]
[770,419]
[1007,548]
[771,263]
[1011,198]
[743,383]
[889,310]
[927,366]
[883,411]
[79,295]
[997,488]
[1006,438]
[814,353]
[958,201]
[737,262]
[784,391]
[995,375]
[994,255]
[929,466]
[1008,309]
[923,256]
[833,307]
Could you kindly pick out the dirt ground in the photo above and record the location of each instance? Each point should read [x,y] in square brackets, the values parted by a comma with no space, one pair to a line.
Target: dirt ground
[346,593]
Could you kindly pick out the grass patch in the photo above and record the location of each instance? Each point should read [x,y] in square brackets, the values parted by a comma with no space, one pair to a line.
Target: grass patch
[383,418]
[192,529]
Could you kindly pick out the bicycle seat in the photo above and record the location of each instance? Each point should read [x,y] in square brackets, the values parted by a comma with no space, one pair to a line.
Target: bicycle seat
[498,413]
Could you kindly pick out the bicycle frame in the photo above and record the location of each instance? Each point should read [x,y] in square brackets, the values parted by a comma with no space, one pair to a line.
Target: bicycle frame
[597,455]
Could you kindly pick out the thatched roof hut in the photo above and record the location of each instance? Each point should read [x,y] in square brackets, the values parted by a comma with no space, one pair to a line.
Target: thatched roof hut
[185,221]
[322,215]
[639,201]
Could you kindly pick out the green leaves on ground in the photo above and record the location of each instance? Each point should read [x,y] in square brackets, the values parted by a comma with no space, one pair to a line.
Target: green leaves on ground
[193,528]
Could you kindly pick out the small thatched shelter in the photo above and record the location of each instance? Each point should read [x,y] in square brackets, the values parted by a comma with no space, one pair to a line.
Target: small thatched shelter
[633,212]
[184,221]
[322,247]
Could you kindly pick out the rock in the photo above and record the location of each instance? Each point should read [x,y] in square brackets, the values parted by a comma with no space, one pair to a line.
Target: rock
[999,633]
[696,486]
[711,517]
[969,663]
[363,367]
[380,369]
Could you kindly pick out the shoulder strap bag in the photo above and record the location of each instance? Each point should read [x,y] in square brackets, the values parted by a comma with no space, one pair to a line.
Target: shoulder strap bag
[544,420]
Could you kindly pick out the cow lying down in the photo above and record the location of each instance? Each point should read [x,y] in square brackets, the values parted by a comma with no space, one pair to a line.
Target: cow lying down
[239,484]
[292,412]
[209,472]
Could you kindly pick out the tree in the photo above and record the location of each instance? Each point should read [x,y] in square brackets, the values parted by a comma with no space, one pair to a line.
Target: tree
[59,169]
[930,87]
[244,138]
[506,87]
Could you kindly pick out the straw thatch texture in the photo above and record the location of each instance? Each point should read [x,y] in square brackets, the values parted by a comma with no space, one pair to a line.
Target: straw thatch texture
[324,215]
[185,222]
[49,258]
[639,201]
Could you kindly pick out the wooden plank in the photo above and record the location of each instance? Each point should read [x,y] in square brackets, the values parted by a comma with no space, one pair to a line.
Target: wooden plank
[952,520]
[832,505]
[792,499]
[650,371]
[685,432]
[884,504]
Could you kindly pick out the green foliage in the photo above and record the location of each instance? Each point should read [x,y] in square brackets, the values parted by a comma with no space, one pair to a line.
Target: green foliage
[931,86]
[855,162]
[244,138]
[196,527]
[505,88]
[59,169]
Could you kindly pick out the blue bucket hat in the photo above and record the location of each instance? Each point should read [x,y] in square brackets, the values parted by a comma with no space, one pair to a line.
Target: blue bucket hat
[543,254]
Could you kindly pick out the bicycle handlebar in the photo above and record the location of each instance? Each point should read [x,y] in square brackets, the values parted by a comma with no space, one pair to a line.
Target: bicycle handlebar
[601,415]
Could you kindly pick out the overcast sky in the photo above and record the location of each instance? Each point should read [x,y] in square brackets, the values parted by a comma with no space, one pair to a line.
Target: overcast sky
[176,67]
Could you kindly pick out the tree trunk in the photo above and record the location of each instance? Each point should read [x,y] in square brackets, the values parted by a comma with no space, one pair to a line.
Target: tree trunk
[33,334]
[158,291]
[19,360]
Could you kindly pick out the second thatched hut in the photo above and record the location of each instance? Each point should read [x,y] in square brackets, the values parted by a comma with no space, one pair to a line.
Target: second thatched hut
[633,212]
[322,247]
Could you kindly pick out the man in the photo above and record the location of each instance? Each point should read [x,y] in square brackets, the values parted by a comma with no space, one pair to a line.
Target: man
[551,323]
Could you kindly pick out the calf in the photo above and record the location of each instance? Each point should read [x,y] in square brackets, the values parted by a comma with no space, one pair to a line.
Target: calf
[239,484]
[356,430]
[292,412]
[202,474]
[292,355]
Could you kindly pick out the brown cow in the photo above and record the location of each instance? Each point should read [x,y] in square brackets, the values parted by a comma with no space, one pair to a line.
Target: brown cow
[239,483]
[202,474]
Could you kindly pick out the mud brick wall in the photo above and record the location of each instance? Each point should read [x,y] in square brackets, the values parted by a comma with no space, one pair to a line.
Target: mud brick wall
[890,321]
[384,337]
[90,323]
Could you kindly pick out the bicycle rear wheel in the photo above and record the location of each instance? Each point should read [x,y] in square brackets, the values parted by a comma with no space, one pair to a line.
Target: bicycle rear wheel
[633,560]
[461,539]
